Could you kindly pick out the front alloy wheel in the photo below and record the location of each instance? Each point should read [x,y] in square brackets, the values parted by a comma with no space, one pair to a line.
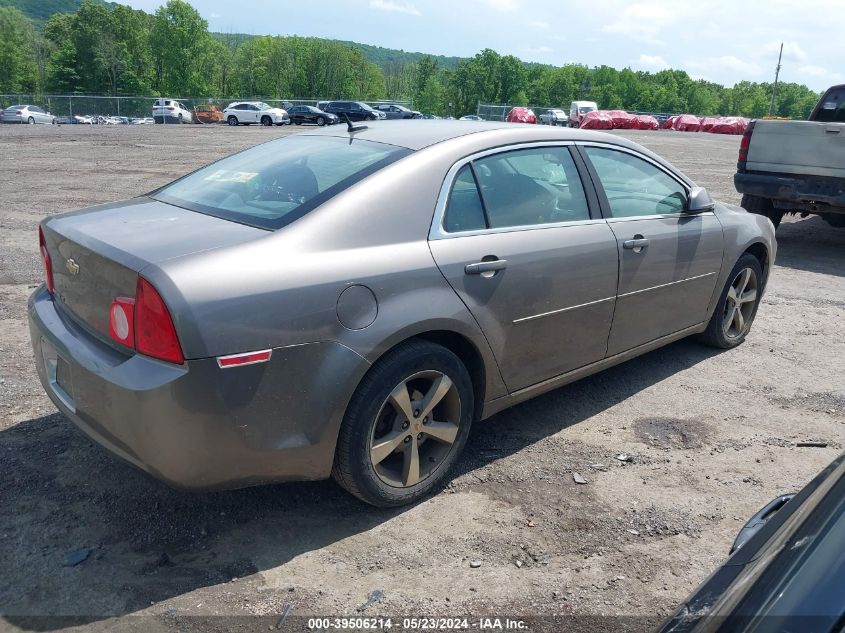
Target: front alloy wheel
[740,303]
[734,313]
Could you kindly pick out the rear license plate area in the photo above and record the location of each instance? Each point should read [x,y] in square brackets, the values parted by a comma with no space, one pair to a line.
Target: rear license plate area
[58,375]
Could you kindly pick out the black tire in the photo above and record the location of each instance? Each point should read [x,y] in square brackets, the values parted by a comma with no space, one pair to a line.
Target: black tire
[266,121]
[353,466]
[180,120]
[716,334]
[321,121]
[762,206]
[232,120]
[298,122]
[31,121]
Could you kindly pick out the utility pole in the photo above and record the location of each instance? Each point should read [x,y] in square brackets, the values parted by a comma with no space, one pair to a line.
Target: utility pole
[775,87]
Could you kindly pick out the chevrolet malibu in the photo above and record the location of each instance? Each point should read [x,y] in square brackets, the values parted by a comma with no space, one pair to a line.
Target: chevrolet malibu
[347,302]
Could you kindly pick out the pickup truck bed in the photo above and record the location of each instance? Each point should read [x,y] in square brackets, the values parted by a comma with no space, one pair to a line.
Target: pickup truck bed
[796,166]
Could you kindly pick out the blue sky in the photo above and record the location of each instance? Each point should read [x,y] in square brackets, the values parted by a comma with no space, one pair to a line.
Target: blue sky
[719,40]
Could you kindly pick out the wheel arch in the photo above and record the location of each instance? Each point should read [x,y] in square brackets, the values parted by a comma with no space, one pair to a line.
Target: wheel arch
[761,252]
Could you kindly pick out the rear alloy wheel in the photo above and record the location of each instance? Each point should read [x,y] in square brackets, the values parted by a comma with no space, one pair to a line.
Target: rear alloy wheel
[737,307]
[266,121]
[405,426]
[31,121]
[232,120]
[180,120]
[321,121]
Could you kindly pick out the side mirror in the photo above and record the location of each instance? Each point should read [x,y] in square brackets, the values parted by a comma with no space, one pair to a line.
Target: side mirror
[699,201]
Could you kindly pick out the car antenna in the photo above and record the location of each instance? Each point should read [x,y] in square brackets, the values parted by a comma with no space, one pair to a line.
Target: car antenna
[352,128]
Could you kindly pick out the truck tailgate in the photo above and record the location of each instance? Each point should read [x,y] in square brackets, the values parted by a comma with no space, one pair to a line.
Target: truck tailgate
[798,147]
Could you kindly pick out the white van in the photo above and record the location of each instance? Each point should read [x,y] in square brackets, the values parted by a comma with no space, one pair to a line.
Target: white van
[578,109]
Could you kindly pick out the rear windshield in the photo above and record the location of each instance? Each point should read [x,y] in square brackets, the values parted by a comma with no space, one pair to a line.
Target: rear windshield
[832,107]
[585,109]
[275,183]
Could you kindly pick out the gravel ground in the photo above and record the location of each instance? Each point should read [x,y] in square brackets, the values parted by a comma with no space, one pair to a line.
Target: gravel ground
[712,438]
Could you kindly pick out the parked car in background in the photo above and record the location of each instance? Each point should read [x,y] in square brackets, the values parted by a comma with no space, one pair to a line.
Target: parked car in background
[143,121]
[470,117]
[208,113]
[321,105]
[171,111]
[31,114]
[578,109]
[786,571]
[258,289]
[796,166]
[354,111]
[554,116]
[309,114]
[85,119]
[428,115]
[521,115]
[248,112]
[395,111]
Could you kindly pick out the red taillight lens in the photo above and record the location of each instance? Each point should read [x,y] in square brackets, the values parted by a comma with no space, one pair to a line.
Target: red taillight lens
[48,263]
[155,334]
[122,321]
[19,112]
[744,144]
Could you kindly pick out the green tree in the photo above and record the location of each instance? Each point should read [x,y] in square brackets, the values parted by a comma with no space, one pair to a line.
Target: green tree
[18,70]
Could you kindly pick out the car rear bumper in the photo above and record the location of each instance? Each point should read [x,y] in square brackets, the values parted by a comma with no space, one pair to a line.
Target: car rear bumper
[195,425]
[798,191]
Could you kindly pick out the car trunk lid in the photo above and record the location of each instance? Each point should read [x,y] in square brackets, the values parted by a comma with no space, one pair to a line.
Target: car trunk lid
[97,254]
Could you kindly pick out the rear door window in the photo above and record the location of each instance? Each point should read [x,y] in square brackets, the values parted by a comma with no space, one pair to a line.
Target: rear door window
[531,186]
[464,211]
[832,108]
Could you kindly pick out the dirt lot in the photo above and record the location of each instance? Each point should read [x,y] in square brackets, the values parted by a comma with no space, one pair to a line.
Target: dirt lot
[711,434]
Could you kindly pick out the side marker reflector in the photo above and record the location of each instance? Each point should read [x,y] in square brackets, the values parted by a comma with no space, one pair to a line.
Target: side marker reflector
[247,358]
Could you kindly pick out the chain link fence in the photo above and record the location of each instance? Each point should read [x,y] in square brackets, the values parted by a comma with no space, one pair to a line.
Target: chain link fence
[499,111]
[137,107]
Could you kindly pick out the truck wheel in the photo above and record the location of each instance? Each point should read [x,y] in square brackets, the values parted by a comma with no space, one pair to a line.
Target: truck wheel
[762,206]
[737,306]
[405,426]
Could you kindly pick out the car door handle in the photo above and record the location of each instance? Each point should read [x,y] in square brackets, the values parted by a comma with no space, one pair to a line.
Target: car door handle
[479,268]
[635,244]
[833,130]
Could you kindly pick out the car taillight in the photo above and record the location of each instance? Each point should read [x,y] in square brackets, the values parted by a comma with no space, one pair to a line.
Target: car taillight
[19,112]
[46,261]
[155,334]
[143,323]
[744,144]
[170,108]
[122,321]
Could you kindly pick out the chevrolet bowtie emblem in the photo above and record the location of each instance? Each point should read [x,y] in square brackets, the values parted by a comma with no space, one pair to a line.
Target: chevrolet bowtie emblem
[72,267]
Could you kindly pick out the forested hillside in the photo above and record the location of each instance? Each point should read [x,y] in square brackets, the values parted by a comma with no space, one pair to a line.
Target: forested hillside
[111,49]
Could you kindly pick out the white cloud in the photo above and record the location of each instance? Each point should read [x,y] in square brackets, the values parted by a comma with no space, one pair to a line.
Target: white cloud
[540,50]
[645,20]
[214,16]
[791,51]
[505,6]
[395,6]
[539,24]
[818,72]
[747,69]
[655,62]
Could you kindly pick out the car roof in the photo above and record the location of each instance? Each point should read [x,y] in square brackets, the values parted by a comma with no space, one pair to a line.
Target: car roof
[417,134]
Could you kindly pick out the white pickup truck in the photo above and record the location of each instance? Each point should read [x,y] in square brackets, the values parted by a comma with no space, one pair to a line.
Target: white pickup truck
[796,166]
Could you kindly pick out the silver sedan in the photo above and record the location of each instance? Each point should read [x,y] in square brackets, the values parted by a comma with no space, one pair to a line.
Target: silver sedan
[27,114]
[347,301]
